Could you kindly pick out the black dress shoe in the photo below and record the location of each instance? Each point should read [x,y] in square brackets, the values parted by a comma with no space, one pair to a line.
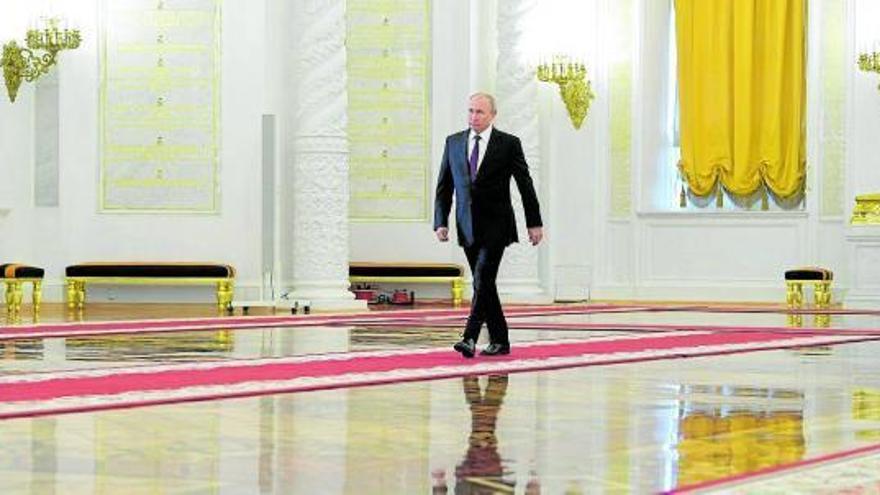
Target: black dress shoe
[496,350]
[466,347]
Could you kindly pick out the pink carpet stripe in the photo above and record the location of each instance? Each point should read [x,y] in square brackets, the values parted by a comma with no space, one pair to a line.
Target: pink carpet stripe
[73,329]
[422,317]
[646,327]
[779,309]
[72,391]
[732,481]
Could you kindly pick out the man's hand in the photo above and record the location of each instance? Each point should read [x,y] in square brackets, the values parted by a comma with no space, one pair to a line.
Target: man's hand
[442,234]
[535,235]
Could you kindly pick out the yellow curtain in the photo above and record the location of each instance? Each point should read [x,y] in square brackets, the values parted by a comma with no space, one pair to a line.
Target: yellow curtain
[742,94]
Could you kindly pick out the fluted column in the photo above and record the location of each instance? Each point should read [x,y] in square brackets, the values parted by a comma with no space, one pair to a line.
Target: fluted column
[519,278]
[320,187]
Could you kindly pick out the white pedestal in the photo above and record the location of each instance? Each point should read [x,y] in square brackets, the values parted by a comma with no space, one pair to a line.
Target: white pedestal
[863,250]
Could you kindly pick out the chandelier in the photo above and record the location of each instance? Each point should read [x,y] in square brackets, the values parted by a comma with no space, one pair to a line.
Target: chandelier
[870,62]
[574,87]
[30,62]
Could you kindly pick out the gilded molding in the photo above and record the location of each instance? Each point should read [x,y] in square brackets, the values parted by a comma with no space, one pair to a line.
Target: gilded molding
[622,20]
[833,66]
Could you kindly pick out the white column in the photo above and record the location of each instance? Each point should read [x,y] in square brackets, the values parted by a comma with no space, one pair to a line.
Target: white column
[483,47]
[319,187]
[519,278]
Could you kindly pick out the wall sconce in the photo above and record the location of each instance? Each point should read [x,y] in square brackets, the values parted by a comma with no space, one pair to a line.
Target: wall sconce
[574,87]
[870,62]
[22,63]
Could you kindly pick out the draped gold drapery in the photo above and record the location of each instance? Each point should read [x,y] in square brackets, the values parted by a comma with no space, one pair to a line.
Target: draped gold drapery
[742,87]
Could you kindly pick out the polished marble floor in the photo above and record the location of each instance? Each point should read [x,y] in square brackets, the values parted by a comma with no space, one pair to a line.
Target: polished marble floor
[628,428]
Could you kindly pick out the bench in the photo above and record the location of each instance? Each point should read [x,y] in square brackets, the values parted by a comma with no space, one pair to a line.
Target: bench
[13,276]
[149,273]
[820,278]
[359,272]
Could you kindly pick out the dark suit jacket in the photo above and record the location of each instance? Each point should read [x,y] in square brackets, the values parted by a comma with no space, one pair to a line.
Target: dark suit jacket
[483,211]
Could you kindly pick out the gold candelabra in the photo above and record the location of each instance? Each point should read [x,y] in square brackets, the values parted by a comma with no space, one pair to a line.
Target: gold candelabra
[574,87]
[870,62]
[25,63]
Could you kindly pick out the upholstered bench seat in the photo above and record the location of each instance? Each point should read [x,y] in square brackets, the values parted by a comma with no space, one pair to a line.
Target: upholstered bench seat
[150,273]
[821,279]
[409,272]
[13,276]
[811,274]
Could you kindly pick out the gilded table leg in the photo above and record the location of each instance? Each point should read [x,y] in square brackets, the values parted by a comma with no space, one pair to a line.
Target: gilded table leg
[37,295]
[457,291]
[794,294]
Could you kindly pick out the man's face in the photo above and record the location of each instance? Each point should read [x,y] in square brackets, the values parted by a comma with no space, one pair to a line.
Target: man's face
[480,114]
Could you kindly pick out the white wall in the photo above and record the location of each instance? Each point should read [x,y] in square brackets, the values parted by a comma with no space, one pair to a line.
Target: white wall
[661,253]
[76,231]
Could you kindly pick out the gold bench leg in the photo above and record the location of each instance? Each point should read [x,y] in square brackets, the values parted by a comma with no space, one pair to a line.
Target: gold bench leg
[16,297]
[10,298]
[71,294]
[80,295]
[76,294]
[457,291]
[225,293]
[794,294]
[37,295]
[822,294]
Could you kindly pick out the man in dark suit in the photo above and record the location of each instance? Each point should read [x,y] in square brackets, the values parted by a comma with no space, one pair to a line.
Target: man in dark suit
[477,166]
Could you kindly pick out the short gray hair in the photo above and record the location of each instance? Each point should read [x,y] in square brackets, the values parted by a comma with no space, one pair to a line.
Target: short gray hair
[488,97]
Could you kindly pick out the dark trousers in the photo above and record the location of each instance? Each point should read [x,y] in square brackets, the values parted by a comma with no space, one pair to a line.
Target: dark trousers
[485,305]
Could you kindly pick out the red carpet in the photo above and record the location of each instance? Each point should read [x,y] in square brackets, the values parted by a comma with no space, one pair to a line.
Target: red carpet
[640,327]
[84,390]
[81,329]
[415,317]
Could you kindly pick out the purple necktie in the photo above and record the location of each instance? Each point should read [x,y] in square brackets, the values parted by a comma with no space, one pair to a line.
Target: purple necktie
[475,156]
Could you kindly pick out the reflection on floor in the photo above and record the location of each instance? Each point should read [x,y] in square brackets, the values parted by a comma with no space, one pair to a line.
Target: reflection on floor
[642,427]
[718,441]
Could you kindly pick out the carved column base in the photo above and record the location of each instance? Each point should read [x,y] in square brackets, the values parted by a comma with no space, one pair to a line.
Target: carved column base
[326,296]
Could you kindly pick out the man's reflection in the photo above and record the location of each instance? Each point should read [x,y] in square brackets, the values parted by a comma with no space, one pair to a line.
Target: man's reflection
[481,470]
